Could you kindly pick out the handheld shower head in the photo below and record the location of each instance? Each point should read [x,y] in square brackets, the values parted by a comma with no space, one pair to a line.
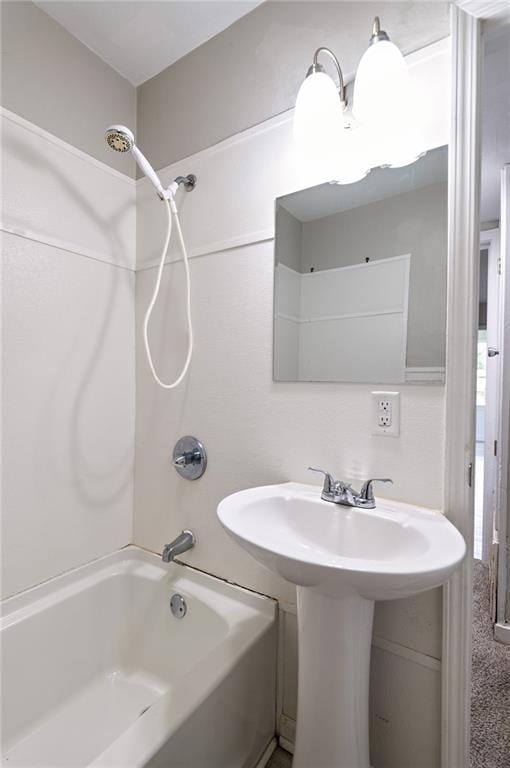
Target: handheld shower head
[120,138]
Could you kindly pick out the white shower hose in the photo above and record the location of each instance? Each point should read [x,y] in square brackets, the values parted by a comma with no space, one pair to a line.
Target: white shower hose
[171,209]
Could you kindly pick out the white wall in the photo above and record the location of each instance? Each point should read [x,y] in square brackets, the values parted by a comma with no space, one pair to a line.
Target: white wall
[257,431]
[68,235]
[345,324]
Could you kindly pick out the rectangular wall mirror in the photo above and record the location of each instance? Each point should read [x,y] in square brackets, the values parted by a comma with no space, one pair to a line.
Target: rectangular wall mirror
[360,278]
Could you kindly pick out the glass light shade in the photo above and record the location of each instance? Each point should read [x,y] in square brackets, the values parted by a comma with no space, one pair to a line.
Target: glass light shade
[318,122]
[382,103]
[352,164]
[327,148]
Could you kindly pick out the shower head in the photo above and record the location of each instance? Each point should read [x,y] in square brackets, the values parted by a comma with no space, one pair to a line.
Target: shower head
[120,138]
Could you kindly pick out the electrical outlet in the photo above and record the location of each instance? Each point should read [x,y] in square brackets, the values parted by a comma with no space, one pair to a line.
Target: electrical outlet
[386,413]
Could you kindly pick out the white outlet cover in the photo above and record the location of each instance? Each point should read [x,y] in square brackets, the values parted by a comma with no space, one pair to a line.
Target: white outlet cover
[387,403]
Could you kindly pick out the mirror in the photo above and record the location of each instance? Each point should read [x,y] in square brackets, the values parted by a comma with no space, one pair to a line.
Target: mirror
[360,278]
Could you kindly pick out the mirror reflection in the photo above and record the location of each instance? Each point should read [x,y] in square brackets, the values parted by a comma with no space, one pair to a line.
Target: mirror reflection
[360,278]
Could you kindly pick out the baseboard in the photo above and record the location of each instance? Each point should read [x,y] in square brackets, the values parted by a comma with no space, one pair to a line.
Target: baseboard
[267,753]
[502,633]
[285,744]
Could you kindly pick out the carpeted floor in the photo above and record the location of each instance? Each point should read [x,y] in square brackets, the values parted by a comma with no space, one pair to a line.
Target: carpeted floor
[490,685]
[280,759]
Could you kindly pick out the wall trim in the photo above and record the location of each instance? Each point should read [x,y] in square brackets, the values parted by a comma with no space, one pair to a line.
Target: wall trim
[219,246]
[415,657]
[415,57]
[425,374]
[502,633]
[462,314]
[13,117]
[62,245]
[423,659]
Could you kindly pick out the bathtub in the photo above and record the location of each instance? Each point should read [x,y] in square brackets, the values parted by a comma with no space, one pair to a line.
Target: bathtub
[96,671]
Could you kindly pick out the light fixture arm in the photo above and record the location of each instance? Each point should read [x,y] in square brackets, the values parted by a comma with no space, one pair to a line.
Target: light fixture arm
[378,34]
[316,67]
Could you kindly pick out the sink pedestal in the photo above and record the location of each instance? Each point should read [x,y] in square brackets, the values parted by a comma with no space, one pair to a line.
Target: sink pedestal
[335,635]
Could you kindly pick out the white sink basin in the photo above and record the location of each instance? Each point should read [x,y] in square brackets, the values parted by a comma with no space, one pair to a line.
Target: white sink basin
[342,559]
[392,551]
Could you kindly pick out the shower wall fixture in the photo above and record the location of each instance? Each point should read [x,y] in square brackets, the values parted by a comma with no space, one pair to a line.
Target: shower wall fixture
[121,139]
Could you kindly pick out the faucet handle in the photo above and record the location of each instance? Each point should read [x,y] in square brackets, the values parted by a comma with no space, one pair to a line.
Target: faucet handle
[329,483]
[367,492]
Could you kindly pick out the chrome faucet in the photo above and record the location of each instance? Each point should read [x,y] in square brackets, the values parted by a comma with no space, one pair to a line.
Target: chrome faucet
[184,541]
[339,492]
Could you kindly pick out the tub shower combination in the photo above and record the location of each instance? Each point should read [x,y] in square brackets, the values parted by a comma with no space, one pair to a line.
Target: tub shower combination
[128,662]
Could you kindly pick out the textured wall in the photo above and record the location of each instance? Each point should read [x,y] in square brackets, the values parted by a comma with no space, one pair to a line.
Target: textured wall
[258,431]
[56,82]
[68,357]
[253,69]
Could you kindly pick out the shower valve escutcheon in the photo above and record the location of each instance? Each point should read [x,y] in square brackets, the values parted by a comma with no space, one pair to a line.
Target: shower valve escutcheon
[189,458]
[338,492]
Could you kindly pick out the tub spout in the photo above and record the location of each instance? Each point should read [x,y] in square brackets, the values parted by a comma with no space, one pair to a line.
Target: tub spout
[181,544]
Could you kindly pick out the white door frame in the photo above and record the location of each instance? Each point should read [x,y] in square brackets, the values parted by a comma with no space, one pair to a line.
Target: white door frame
[462,322]
[490,239]
[502,626]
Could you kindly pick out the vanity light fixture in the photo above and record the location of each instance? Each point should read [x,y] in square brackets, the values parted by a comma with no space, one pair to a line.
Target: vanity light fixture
[342,145]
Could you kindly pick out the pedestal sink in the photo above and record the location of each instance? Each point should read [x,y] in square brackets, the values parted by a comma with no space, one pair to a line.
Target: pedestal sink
[342,559]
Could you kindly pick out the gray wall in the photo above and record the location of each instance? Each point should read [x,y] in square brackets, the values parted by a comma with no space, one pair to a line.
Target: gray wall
[254,68]
[56,82]
[415,223]
[288,239]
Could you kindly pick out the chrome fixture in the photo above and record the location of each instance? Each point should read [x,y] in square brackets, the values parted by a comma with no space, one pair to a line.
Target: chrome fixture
[189,458]
[188,182]
[339,492]
[184,541]
[178,606]
[378,34]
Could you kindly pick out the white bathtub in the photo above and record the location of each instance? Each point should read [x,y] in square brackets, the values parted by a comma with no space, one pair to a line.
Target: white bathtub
[97,672]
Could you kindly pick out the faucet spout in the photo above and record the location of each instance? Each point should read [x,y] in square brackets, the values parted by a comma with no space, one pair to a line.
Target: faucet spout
[184,541]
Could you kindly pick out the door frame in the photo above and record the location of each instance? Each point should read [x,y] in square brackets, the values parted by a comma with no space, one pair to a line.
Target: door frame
[489,239]
[462,322]
[502,629]
[462,325]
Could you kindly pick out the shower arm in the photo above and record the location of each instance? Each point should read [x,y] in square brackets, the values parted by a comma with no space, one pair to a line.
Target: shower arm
[187,182]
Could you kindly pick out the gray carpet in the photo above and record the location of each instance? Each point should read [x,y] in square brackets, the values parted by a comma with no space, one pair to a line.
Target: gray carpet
[490,685]
[280,759]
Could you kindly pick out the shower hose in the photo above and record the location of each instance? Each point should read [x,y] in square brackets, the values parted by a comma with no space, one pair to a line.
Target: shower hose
[171,209]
